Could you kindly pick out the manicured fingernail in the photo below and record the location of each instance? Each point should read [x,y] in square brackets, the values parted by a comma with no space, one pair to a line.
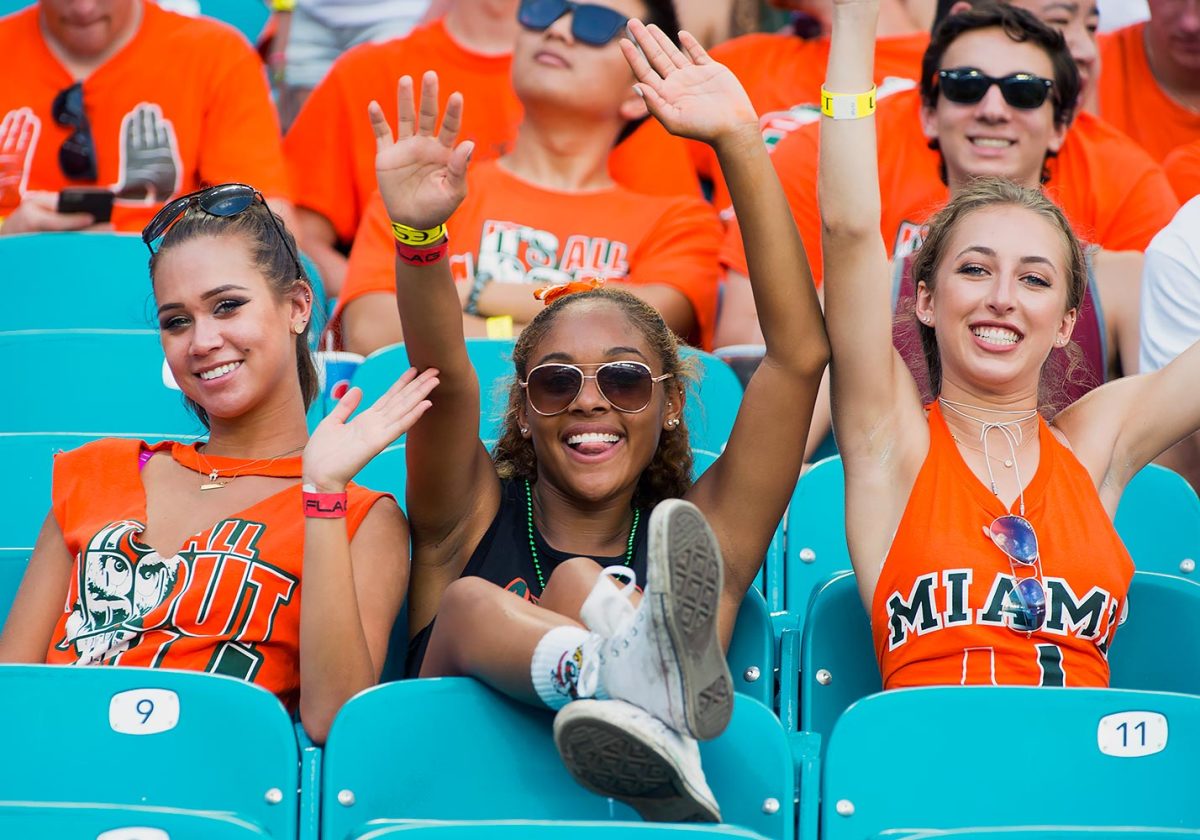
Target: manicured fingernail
[637,89]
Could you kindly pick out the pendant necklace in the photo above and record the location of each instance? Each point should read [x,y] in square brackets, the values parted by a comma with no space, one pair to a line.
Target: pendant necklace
[214,481]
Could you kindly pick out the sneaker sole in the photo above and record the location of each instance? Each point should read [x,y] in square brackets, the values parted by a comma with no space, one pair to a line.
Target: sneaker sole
[687,594]
[611,761]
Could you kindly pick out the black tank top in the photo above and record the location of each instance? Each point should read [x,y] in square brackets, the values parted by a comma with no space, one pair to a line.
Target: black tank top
[503,557]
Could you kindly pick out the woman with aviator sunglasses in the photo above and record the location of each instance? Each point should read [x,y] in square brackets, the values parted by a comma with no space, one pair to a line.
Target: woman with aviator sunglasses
[593,466]
[249,554]
[981,535]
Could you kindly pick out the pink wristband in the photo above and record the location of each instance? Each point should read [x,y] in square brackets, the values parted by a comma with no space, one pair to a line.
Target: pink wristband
[422,256]
[325,505]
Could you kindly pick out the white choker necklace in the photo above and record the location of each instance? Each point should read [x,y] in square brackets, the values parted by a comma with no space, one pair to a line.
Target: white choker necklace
[1013,433]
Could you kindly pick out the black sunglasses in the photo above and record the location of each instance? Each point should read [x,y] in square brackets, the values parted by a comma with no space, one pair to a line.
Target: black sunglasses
[627,386]
[223,200]
[966,85]
[77,156]
[590,23]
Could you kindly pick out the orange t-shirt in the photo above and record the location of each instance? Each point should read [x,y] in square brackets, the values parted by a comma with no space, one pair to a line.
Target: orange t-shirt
[522,233]
[1115,195]
[1130,98]
[184,104]
[227,603]
[331,148]
[783,74]
[1183,170]
[936,614]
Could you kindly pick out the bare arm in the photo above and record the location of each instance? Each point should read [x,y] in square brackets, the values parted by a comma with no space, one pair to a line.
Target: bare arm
[318,239]
[39,602]
[453,490]
[1119,281]
[352,590]
[745,493]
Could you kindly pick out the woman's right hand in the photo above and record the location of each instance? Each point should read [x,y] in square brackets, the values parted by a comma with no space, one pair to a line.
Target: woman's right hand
[422,176]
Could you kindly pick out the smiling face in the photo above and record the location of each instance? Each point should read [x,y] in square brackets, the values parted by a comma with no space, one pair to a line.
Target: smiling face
[1000,301]
[1078,21]
[592,451]
[991,137]
[551,68]
[227,335]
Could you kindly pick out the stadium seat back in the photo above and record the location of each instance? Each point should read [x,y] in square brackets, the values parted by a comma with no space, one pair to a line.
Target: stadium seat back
[1042,832]
[713,406]
[129,822]
[815,535]
[765,581]
[751,654]
[171,739]
[12,567]
[1159,522]
[247,18]
[931,758]
[453,749]
[1160,635]
[555,830]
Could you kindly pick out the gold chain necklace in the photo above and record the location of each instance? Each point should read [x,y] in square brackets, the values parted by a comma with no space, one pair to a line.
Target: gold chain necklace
[214,475]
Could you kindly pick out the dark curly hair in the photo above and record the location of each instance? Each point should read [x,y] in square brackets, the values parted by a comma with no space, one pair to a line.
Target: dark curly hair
[669,473]
[272,255]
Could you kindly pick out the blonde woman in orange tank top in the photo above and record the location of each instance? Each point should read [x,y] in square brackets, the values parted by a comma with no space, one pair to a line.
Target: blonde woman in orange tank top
[979,527]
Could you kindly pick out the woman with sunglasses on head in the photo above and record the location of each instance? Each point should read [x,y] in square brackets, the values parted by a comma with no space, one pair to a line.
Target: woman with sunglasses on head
[981,535]
[593,466]
[193,556]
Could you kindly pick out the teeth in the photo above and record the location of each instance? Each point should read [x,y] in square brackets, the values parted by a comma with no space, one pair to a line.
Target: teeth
[996,335]
[219,371]
[592,437]
[992,142]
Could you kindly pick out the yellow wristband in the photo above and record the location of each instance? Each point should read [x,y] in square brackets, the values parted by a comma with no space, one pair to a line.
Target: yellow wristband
[848,106]
[283,5]
[418,238]
[499,326]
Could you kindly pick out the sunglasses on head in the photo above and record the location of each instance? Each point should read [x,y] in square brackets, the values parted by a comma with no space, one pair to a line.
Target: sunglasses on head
[223,200]
[77,155]
[966,86]
[1026,603]
[627,386]
[590,23]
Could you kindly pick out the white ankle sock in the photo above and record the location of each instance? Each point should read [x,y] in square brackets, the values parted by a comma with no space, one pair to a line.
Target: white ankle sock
[563,667]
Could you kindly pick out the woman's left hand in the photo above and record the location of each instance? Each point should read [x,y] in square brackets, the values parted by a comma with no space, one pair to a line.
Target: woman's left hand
[337,450]
[690,94]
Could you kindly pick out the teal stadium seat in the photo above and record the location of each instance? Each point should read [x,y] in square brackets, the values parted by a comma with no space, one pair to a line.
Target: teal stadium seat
[710,411]
[1041,832]
[815,536]
[12,567]
[102,382]
[555,830]
[478,755]
[149,738]
[246,16]
[940,758]
[1158,646]
[107,822]
[751,654]
[1159,521]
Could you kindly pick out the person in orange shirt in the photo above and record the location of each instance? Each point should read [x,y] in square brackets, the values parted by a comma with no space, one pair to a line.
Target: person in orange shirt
[981,536]
[331,152]
[1150,85]
[238,555]
[124,96]
[1183,170]
[782,71]
[540,215]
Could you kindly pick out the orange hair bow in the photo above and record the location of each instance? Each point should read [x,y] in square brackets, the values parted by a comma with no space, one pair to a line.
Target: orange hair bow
[549,294]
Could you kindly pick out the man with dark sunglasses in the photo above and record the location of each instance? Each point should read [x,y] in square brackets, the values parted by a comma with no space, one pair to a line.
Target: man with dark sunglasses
[548,211]
[122,96]
[471,50]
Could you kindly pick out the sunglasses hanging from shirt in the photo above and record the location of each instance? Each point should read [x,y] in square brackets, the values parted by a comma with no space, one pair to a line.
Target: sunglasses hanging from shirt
[590,23]
[77,155]
[967,85]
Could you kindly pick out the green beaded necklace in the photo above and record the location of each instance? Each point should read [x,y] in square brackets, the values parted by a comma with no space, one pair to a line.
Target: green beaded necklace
[533,552]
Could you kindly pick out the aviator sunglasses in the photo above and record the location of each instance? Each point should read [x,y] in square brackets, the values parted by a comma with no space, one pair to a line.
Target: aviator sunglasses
[77,155]
[627,386]
[966,86]
[590,23]
[223,200]
[1026,603]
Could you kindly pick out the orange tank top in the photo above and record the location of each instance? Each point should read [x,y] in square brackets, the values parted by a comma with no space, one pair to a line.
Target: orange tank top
[937,615]
[227,603]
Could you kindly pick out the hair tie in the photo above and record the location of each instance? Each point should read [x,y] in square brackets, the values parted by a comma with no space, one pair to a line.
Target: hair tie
[551,293]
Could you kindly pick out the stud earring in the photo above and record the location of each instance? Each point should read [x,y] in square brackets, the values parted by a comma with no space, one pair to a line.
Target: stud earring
[673,422]
[298,328]
[524,431]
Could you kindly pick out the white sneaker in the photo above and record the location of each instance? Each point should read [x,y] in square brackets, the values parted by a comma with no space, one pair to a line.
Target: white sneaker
[616,749]
[665,656]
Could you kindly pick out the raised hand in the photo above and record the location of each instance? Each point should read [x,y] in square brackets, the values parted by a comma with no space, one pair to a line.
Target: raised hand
[690,94]
[422,176]
[337,450]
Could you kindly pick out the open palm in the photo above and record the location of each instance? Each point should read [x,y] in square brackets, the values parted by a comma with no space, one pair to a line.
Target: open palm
[422,174]
[689,93]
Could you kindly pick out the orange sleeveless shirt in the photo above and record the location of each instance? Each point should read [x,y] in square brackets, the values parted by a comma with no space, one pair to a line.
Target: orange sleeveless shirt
[936,614]
[227,603]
